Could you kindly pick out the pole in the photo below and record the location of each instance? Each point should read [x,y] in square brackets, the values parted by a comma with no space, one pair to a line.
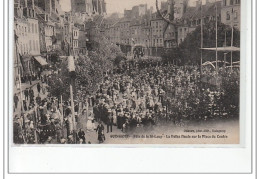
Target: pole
[232,40]
[62,115]
[97,6]
[201,43]
[225,59]
[73,112]
[71,70]
[19,72]
[156,48]
[101,8]
[87,110]
[216,38]
[225,38]
[35,124]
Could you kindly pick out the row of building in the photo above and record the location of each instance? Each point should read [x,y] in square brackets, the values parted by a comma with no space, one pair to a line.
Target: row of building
[42,28]
[141,27]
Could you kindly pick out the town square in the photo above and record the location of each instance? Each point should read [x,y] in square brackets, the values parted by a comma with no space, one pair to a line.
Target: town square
[160,72]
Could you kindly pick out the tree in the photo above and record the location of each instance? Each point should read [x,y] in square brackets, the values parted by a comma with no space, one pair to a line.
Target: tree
[190,47]
[59,84]
[170,55]
[90,69]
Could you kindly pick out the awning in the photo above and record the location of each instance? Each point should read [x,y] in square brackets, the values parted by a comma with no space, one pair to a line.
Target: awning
[223,49]
[41,60]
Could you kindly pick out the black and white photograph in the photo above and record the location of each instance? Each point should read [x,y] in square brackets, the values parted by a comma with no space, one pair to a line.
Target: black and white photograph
[125,72]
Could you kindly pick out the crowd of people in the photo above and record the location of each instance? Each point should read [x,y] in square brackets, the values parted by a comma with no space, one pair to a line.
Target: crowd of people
[137,98]
[155,95]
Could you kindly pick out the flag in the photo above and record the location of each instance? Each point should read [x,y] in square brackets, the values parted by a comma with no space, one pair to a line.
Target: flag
[22,61]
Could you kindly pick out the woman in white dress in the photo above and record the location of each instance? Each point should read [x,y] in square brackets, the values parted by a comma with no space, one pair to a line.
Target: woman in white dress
[90,126]
[114,116]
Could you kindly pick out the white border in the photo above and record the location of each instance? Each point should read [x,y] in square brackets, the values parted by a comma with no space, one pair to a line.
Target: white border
[143,160]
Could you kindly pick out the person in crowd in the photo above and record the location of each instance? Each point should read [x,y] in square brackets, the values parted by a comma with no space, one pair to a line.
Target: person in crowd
[16,100]
[81,136]
[142,95]
[109,121]
[100,131]
[17,132]
[38,87]
[31,94]
[26,94]
[38,99]
[58,129]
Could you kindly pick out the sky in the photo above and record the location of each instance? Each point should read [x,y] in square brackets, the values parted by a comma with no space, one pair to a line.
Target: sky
[120,5]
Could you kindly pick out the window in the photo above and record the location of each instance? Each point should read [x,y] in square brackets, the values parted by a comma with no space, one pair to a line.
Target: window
[235,15]
[33,45]
[237,1]
[231,2]
[228,16]
[36,30]
[225,2]
[32,28]
[30,45]
[37,45]
[24,49]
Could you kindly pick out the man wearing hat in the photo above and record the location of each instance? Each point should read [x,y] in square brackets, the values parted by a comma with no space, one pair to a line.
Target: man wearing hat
[109,121]
[100,131]
[17,132]
[16,100]
[81,135]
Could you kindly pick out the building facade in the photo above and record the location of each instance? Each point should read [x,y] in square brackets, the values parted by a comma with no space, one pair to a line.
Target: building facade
[84,6]
[230,13]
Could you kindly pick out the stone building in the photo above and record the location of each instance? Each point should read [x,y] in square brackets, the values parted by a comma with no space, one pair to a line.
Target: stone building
[88,6]
[125,35]
[230,13]
[193,16]
[170,36]
[84,6]
[178,6]
[75,40]
[27,43]
[82,39]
